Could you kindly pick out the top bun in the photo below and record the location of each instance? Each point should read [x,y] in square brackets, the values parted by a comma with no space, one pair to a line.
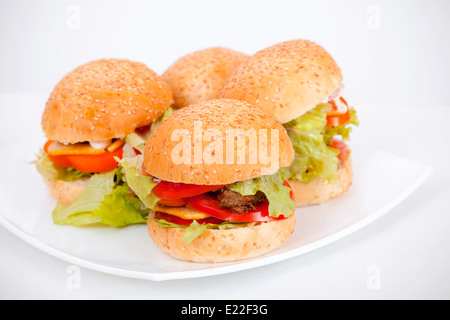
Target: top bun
[286,80]
[198,76]
[104,99]
[178,152]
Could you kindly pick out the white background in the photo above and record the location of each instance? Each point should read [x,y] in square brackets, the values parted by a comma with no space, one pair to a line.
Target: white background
[394,57]
[390,52]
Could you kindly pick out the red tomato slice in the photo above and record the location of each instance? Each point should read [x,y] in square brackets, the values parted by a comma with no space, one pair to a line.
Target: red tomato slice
[291,194]
[137,151]
[172,190]
[87,163]
[60,160]
[47,144]
[210,205]
[184,222]
[342,147]
[96,163]
[172,202]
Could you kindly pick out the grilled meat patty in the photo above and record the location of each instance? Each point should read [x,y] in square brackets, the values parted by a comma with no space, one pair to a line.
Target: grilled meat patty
[236,202]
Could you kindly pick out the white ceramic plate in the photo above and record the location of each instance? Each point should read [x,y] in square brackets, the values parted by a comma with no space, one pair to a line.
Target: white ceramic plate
[381,181]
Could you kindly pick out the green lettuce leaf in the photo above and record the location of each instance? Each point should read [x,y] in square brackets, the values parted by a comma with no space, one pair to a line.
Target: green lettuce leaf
[278,195]
[167,113]
[137,141]
[120,208]
[103,201]
[196,229]
[313,157]
[141,185]
[342,130]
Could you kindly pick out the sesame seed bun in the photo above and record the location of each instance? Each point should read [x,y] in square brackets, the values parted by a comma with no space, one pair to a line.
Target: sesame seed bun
[198,76]
[203,165]
[286,79]
[223,245]
[104,99]
[319,191]
[65,192]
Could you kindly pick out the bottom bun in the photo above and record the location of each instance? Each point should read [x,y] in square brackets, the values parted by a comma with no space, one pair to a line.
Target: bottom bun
[65,192]
[223,245]
[318,191]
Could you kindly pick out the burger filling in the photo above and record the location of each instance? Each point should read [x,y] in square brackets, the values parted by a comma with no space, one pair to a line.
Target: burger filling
[318,139]
[196,208]
[235,202]
[107,199]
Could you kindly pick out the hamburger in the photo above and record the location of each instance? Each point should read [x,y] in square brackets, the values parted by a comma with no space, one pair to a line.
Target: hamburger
[198,76]
[301,85]
[213,197]
[99,112]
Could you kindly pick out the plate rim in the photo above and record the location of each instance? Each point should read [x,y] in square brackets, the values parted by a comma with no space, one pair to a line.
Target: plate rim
[227,267]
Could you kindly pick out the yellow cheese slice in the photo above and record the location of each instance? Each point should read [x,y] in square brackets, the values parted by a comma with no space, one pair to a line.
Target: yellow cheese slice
[59,149]
[182,212]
